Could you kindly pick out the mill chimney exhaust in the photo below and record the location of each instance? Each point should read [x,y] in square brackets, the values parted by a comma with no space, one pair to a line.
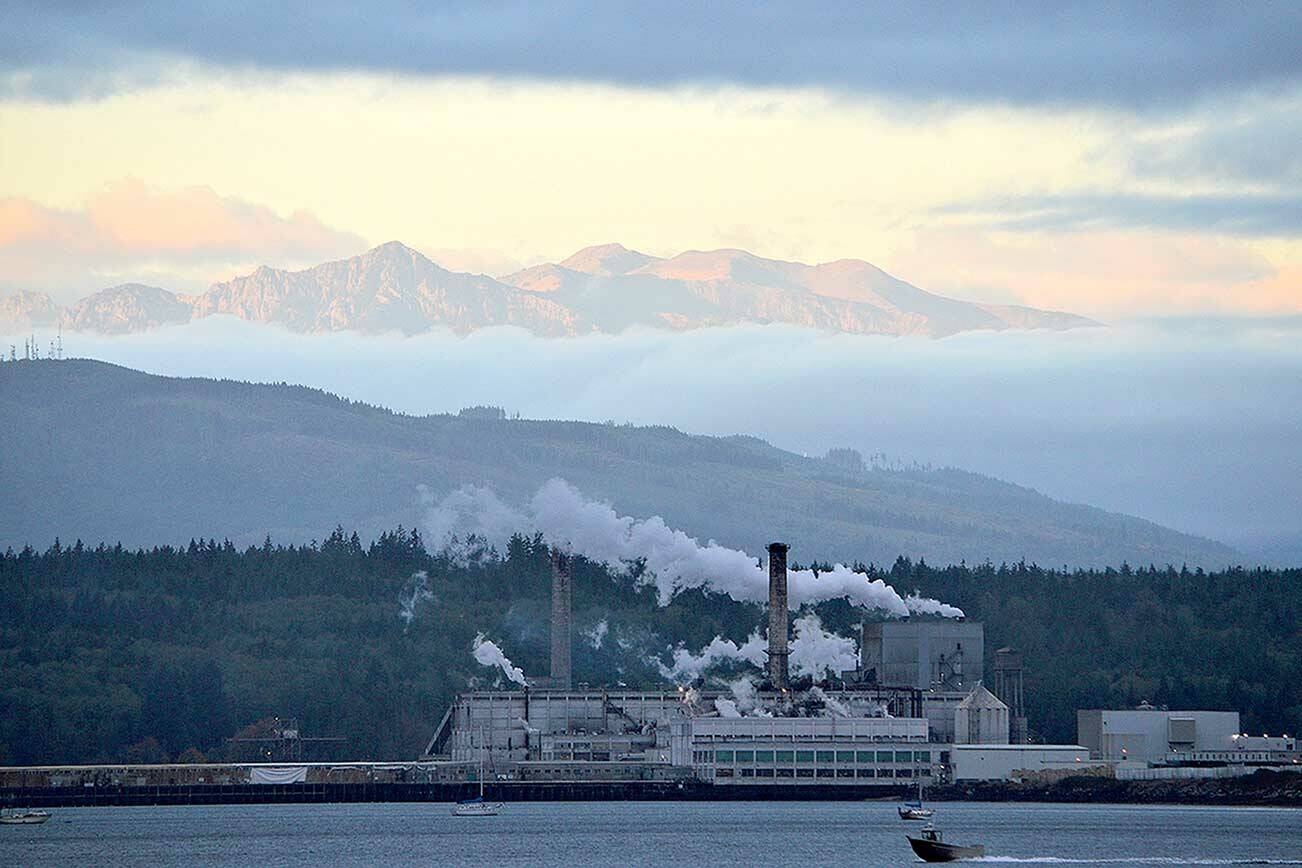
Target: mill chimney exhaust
[560,620]
[778,651]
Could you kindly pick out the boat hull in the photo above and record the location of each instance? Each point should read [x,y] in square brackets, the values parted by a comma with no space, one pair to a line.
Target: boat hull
[477,809]
[938,851]
[27,820]
[916,813]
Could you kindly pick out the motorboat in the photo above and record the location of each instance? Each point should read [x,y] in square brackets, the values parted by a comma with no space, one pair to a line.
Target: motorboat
[22,816]
[931,847]
[915,810]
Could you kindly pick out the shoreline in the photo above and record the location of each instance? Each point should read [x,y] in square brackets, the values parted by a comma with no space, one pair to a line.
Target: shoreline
[1263,789]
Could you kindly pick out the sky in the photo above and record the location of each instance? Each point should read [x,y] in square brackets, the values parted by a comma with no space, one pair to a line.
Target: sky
[1138,163]
[1117,160]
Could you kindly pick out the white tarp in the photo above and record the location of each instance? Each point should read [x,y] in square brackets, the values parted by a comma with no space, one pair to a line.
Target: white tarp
[278,774]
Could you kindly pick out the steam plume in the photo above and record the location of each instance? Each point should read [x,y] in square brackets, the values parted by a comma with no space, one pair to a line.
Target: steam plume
[687,666]
[927,606]
[744,693]
[726,707]
[834,707]
[597,634]
[818,653]
[488,654]
[413,593]
[814,652]
[674,561]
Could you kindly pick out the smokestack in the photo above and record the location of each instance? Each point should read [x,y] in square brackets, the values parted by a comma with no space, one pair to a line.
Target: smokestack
[560,619]
[778,616]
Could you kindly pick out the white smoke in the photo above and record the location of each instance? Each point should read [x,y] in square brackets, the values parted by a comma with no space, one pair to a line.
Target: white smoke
[488,654]
[834,707]
[413,593]
[927,606]
[726,707]
[597,634]
[744,693]
[471,523]
[674,561]
[818,653]
[686,666]
[814,652]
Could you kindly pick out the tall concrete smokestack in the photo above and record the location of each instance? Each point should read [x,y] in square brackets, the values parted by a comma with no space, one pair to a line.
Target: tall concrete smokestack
[778,652]
[560,620]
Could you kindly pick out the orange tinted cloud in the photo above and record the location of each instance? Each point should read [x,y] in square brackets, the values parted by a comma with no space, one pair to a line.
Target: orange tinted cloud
[130,223]
[132,216]
[1102,273]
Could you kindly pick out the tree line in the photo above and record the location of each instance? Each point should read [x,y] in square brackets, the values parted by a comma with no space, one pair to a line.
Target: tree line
[116,654]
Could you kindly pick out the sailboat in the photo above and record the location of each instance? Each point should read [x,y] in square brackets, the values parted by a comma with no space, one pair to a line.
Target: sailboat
[477,807]
[915,810]
[22,816]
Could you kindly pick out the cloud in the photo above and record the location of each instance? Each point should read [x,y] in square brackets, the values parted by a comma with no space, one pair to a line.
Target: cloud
[1243,214]
[131,228]
[1134,55]
[1103,273]
[1253,144]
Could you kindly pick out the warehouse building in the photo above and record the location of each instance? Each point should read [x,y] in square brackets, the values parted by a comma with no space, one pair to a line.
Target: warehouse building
[974,762]
[1153,735]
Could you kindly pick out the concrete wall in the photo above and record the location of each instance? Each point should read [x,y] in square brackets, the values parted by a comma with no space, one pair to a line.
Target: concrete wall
[1178,773]
[1001,762]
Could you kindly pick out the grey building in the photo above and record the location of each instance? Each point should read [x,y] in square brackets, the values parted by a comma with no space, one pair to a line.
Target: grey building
[944,655]
[1153,735]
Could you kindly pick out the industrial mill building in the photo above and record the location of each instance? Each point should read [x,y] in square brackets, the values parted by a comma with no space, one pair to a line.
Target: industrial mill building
[918,691]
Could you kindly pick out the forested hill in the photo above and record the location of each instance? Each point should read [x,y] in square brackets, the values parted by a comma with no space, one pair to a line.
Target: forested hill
[97,452]
[112,654]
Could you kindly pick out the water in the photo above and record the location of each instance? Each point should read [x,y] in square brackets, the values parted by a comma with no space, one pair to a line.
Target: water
[647,833]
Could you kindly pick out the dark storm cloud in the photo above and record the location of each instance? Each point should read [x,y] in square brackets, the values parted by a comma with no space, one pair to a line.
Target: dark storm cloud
[1249,215]
[1133,55]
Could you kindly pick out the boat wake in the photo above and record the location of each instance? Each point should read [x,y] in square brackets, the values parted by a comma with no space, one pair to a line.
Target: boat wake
[1132,860]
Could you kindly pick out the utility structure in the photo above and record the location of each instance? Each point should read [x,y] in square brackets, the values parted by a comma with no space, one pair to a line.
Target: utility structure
[280,739]
[561,592]
[1008,687]
[778,651]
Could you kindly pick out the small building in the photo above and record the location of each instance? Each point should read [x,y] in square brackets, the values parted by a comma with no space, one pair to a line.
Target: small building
[1002,762]
[1153,735]
[981,718]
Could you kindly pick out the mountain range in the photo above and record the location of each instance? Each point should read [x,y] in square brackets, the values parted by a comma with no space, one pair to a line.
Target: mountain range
[604,289]
[105,453]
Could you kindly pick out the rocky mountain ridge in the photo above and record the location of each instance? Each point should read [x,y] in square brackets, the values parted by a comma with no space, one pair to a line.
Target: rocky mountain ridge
[603,289]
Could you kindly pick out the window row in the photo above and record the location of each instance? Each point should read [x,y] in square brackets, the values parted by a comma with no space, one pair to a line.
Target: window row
[841,774]
[811,756]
